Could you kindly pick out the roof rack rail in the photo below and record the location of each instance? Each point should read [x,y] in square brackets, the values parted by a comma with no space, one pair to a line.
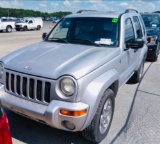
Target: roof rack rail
[131,10]
[81,11]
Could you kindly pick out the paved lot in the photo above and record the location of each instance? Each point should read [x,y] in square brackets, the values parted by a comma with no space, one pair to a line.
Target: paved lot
[136,118]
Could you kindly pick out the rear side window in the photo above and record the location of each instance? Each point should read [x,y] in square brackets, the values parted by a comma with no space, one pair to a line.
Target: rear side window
[143,27]
[129,31]
[138,27]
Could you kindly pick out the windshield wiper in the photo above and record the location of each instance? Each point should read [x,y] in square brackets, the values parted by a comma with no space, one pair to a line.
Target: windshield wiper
[58,39]
[85,40]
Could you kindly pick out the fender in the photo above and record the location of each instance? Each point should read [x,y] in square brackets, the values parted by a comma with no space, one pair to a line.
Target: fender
[95,91]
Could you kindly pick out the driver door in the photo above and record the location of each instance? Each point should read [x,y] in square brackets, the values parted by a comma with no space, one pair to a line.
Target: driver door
[128,53]
[134,55]
[30,24]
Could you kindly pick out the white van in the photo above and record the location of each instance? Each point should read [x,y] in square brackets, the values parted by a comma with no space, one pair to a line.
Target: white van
[29,23]
[6,25]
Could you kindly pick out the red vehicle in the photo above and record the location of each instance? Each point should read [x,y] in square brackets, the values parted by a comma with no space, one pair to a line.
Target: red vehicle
[5,135]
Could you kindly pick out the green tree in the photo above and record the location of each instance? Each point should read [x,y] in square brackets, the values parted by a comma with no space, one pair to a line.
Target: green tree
[5,12]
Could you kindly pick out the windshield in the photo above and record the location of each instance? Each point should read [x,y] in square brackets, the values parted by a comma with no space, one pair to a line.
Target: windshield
[94,31]
[26,21]
[151,20]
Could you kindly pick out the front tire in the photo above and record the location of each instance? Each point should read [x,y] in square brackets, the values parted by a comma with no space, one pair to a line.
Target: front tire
[101,122]
[9,29]
[25,28]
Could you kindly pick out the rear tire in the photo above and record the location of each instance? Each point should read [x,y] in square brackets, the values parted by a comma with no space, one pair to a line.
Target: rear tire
[101,122]
[9,29]
[137,76]
[155,54]
[38,27]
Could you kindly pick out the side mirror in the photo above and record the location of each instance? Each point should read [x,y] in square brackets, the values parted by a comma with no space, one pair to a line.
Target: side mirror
[136,43]
[44,35]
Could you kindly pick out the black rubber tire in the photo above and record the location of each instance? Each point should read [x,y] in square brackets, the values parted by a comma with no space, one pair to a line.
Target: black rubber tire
[9,29]
[155,54]
[1,31]
[92,132]
[25,28]
[38,27]
[138,75]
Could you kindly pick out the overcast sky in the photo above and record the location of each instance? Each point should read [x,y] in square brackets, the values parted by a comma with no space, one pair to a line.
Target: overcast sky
[75,5]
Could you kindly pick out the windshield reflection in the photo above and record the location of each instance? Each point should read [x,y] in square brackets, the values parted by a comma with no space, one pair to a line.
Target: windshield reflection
[100,31]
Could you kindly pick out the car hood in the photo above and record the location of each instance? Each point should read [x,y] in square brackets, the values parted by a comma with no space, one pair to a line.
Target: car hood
[52,60]
[152,31]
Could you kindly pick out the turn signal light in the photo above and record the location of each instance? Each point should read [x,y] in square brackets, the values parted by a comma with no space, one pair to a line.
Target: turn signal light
[73,113]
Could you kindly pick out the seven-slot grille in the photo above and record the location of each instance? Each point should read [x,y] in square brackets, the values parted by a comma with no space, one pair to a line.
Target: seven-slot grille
[28,87]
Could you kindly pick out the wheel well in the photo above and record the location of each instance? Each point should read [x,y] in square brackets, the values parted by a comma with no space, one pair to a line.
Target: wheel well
[114,87]
[9,26]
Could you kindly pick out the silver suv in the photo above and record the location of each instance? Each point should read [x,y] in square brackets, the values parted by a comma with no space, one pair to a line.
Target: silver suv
[70,80]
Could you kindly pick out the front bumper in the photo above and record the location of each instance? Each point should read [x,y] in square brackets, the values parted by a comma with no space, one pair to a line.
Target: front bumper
[19,27]
[49,115]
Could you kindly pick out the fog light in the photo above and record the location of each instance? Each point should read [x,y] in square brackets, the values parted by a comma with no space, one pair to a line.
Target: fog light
[68,125]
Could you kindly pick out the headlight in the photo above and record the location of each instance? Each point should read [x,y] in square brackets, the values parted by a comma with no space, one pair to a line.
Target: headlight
[67,86]
[1,70]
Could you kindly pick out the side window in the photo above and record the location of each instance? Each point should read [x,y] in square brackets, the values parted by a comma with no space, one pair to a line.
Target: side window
[138,27]
[30,22]
[129,31]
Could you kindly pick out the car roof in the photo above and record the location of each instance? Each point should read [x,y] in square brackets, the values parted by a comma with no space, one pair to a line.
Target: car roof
[93,13]
[111,14]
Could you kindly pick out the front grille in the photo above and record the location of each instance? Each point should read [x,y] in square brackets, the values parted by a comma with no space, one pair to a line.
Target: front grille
[28,87]
[18,26]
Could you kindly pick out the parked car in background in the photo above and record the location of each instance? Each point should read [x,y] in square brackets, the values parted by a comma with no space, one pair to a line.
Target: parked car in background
[152,24]
[55,20]
[7,25]
[70,80]
[29,23]
[5,134]
[47,19]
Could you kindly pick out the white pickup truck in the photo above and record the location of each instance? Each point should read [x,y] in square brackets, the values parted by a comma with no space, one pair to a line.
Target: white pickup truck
[28,24]
[6,25]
